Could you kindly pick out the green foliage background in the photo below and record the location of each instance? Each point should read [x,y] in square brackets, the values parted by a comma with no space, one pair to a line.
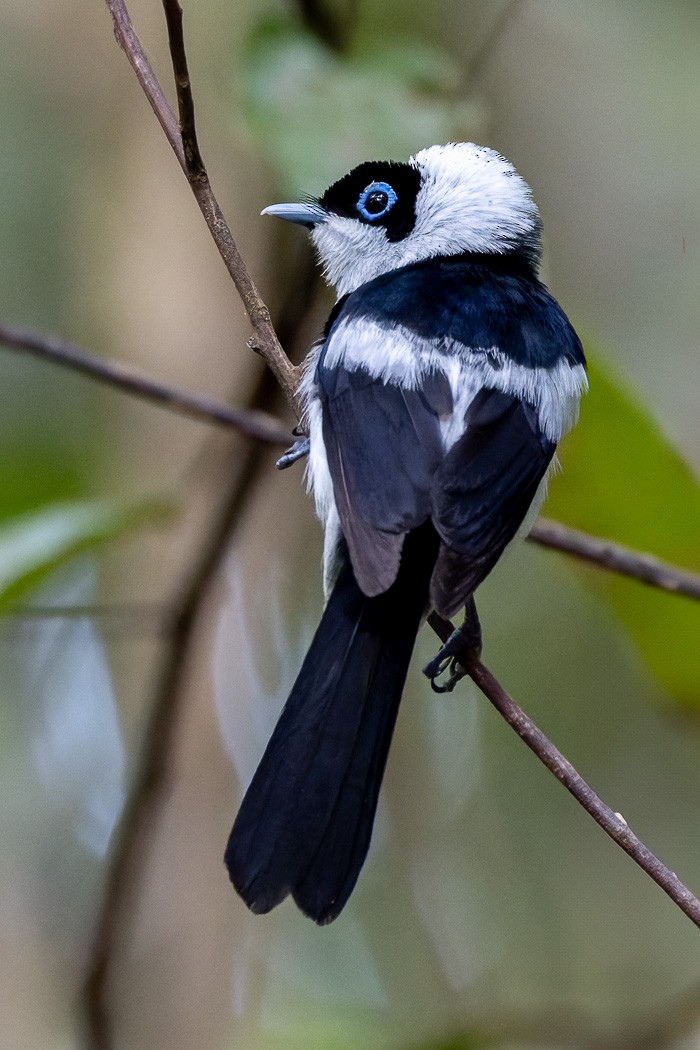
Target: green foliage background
[491,911]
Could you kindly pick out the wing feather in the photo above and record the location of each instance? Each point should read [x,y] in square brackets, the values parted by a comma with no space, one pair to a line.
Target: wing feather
[482,492]
[383,447]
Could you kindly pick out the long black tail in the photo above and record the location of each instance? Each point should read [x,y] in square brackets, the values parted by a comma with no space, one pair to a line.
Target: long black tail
[305,824]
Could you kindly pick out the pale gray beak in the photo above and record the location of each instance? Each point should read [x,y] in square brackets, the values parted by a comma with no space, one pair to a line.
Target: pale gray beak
[303,214]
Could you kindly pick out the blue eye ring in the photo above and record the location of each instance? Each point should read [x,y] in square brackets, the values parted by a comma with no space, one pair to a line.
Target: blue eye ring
[376,200]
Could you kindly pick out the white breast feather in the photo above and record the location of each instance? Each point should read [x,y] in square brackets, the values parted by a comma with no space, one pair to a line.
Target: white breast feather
[398,355]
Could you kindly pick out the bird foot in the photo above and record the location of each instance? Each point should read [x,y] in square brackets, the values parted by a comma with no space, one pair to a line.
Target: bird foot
[463,643]
[447,660]
[298,450]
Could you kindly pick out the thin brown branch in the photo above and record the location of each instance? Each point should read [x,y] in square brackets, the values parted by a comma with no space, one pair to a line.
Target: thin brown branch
[153,772]
[185,103]
[130,847]
[254,424]
[264,339]
[615,558]
[613,824]
[128,41]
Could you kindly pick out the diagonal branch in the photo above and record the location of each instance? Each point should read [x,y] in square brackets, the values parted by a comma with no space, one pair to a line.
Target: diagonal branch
[129,849]
[253,423]
[613,824]
[128,41]
[615,558]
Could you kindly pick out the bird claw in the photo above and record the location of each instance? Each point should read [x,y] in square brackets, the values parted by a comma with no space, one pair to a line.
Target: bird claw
[446,660]
[464,642]
[437,667]
[298,450]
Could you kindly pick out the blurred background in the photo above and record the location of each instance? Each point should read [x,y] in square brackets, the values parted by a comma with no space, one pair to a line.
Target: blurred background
[492,911]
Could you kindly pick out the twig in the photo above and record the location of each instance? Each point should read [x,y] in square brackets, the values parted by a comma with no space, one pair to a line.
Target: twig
[129,849]
[264,339]
[194,164]
[128,41]
[616,558]
[130,846]
[611,823]
[255,424]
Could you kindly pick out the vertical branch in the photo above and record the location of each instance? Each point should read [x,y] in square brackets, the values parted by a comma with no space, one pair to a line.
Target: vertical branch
[194,165]
[130,846]
[130,44]
[264,339]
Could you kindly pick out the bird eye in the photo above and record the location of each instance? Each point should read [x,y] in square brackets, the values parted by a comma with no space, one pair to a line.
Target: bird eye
[376,200]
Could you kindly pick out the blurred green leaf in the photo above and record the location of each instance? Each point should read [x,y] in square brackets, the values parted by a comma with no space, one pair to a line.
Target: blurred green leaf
[35,543]
[316,114]
[622,480]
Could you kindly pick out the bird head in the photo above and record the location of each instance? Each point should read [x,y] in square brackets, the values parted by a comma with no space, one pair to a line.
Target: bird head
[446,200]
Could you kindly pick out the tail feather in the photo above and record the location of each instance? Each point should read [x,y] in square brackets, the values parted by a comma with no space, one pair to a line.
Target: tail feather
[305,824]
[323,891]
